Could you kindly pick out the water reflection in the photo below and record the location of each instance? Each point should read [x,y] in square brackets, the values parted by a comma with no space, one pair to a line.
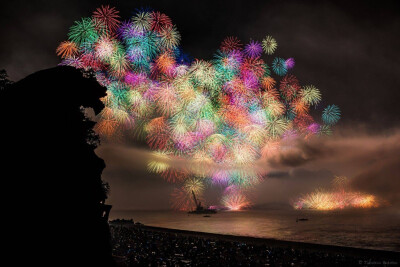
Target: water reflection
[375,229]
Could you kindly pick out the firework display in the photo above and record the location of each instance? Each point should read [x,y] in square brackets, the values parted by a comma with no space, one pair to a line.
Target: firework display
[340,197]
[229,111]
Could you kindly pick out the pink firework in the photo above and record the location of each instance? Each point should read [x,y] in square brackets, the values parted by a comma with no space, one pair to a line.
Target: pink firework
[314,128]
[135,79]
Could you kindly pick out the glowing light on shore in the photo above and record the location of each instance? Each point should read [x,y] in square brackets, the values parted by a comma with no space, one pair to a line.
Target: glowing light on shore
[340,197]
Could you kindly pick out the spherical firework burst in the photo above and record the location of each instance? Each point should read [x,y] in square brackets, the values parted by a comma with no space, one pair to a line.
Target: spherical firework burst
[195,185]
[269,45]
[142,21]
[230,44]
[253,49]
[268,82]
[276,127]
[169,37]
[67,49]
[279,66]
[290,87]
[310,95]
[105,48]
[289,63]
[159,21]
[166,98]
[119,63]
[331,114]
[108,16]
[83,31]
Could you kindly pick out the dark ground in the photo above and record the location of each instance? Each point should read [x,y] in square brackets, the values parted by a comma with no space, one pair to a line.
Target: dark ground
[135,245]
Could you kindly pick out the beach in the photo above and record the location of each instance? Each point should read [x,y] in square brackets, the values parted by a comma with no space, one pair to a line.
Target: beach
[377,229]
[138,245]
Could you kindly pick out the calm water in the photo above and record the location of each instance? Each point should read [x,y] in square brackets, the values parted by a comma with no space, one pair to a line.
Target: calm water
[374,229]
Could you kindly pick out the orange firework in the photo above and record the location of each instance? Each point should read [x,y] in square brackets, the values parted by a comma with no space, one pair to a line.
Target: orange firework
[67,49]
[158,134]
[300,106]
[268,82]
[106,127]
[234,116]
[165,63]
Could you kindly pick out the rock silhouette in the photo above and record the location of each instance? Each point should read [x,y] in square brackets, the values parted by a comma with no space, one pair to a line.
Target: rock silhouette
[52,176]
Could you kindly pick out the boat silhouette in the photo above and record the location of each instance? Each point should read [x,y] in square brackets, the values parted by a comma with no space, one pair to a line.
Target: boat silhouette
[199,208]
[301,219]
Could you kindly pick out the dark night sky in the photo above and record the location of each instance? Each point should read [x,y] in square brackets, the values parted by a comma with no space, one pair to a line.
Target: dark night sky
[348,49]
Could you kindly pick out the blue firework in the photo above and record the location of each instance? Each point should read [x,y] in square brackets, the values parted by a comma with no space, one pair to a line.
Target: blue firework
[279,66]
[182,57]
[331,114]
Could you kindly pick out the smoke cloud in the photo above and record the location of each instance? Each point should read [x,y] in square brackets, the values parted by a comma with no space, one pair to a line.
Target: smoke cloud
[371,162]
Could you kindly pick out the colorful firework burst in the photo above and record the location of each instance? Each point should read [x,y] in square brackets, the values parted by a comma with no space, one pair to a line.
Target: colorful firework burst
[227,113]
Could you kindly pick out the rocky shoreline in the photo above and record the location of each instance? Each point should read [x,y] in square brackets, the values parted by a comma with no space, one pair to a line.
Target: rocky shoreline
[136,244]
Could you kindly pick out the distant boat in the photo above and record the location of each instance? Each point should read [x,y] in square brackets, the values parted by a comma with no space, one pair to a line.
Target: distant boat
[199,208]
[301,220]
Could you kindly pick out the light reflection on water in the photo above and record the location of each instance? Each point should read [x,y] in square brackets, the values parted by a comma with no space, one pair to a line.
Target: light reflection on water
[374,229]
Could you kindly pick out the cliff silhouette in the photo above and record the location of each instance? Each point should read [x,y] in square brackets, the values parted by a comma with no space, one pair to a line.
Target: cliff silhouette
[52,176]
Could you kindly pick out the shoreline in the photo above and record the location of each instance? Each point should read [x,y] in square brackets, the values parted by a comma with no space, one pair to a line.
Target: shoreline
[350,251]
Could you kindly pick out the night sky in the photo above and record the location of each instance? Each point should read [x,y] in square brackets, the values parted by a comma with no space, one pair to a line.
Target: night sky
[348,49]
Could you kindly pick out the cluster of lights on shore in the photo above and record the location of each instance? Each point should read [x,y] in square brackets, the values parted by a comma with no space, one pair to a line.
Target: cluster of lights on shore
[218,116]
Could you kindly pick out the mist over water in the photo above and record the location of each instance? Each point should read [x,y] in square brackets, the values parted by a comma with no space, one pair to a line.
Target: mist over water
[371,228]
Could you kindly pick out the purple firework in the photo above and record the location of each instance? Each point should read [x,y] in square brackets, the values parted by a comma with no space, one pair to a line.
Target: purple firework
[289,63]
[253,49]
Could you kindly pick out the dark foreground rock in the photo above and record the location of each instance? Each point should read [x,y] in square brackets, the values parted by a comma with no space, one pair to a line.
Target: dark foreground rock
[50,172]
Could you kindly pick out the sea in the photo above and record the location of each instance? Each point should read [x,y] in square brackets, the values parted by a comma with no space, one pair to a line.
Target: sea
[366,228]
